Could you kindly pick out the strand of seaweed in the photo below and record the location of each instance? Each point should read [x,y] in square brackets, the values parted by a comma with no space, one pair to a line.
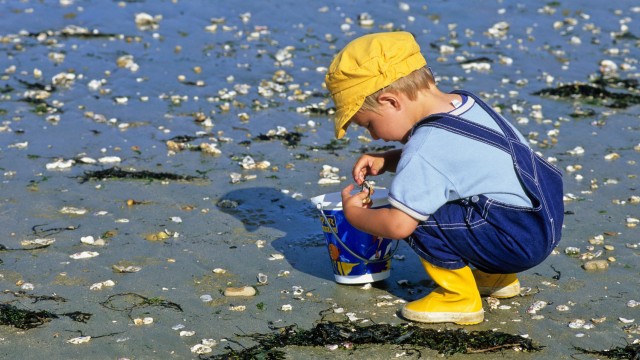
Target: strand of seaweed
[28,319]
[631,352]
[446,342]
[118,173]
[597,93]
[131,301]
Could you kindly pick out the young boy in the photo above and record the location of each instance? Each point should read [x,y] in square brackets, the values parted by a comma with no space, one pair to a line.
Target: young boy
[467,188]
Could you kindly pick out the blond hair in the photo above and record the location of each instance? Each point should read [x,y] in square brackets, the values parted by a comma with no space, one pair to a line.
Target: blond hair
[409,85]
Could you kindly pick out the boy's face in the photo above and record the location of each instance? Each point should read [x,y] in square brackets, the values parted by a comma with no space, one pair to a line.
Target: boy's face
[389,122]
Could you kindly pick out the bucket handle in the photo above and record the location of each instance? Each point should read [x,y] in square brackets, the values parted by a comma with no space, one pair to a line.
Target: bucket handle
[366,261]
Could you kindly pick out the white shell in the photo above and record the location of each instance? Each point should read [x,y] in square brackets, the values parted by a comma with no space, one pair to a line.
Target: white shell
[79,340]
[84,255]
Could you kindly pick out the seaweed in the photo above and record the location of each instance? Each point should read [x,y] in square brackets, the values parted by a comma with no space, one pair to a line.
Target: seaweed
[118,173]
[445,342]
[291,139]
[631,352]
[29,319]
[36,298]
[52,231]
[374,149]
[592,93]
[335,144]
[130,301]
[24,319]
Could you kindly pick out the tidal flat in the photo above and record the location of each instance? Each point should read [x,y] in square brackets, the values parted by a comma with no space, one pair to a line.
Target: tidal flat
[157,158]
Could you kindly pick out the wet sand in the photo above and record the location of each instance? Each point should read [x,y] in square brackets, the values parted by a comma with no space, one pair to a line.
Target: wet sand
[84,81]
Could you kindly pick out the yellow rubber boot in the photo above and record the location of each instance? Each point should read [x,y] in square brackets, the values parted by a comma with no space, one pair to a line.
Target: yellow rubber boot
[499,286]
[456,300]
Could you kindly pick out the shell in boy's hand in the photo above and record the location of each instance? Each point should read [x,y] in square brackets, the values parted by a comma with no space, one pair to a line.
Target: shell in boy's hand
[366,185]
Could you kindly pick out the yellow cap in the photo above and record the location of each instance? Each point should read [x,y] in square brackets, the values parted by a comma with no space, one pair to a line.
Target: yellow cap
[366,65]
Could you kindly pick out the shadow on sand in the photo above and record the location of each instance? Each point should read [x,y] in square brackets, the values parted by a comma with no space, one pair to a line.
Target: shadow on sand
[302,244]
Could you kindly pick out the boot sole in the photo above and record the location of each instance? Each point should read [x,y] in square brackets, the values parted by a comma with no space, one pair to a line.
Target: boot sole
[467,318]
[504,292]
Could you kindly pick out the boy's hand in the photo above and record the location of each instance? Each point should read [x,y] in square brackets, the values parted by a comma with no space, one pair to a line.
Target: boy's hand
[367,165]
[357,200]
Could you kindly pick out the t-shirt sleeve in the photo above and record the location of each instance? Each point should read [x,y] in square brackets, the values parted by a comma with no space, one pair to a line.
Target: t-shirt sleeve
[419,189]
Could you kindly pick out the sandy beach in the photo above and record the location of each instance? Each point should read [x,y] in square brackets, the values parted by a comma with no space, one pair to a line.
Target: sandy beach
[157,153]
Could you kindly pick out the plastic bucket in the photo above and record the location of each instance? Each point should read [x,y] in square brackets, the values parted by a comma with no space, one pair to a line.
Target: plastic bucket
[356,257]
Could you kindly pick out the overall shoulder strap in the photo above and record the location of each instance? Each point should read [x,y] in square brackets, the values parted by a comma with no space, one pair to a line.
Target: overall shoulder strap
[460,126]
[506,129]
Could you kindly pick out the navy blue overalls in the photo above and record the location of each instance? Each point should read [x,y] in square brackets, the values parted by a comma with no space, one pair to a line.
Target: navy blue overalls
[493,236]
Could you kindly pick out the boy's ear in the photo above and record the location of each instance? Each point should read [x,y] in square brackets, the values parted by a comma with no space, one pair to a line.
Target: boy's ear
[387,98]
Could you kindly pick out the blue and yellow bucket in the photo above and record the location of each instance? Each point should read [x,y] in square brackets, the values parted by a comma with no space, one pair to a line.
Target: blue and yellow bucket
[356,257]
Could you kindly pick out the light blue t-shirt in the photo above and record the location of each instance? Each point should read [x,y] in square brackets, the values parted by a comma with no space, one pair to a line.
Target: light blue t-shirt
[438,166]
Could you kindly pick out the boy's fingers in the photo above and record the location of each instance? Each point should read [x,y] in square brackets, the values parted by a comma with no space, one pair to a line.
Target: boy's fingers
[346,192]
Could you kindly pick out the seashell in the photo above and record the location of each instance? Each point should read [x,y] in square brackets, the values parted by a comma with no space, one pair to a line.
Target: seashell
[237,308]
[325,181]
[276,257]
[240,291]
[351,316]
[210,149]
[625,320]
[38,242]
[60,165]
[126,269]
[145,21]
[576,324]
[612,156]
[100,285]
[89,240]
[262,278]
[185,333]
[297,290]
[536,306]
[492,302]
[578,150]
[206,298]
[632,329]
[219,271]
[109,160]
[595,265]
[73,210]
[79,340]
[27,286]
[633,303]
[286,307]
[572,251]
[161,235]
[84,255]
[143,321]
[201,349]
